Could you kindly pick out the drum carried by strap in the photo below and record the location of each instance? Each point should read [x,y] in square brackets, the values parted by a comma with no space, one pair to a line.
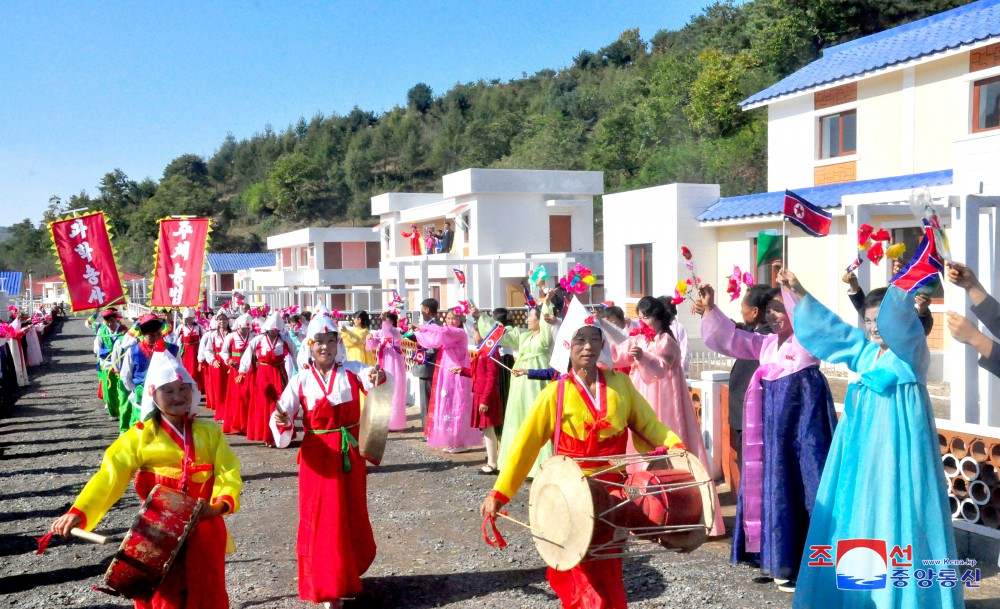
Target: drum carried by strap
[610,514]
[152,544]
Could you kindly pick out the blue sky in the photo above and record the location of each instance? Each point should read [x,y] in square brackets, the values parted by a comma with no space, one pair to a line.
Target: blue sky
[86,87]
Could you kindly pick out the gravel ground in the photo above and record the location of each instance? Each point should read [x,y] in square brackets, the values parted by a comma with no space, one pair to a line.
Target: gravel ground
[424,510]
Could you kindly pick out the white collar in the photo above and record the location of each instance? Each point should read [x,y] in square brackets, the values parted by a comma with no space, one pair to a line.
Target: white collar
[586,389]
[179,432]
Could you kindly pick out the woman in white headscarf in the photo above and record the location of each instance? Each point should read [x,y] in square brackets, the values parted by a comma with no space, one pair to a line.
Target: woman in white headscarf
[238,389]
[170,447]
[335,543]
[269,355]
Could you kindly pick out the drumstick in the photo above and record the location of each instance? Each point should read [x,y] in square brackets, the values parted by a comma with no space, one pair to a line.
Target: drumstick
[88,536]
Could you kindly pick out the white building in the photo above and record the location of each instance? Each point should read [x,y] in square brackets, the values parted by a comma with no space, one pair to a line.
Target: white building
[507,222]
[229,272]
[856,132]
[340,263]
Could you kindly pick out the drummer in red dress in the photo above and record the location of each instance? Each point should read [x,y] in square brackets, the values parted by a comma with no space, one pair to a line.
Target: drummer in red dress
[594,408]
[170,447]
[188,336]
[335,543]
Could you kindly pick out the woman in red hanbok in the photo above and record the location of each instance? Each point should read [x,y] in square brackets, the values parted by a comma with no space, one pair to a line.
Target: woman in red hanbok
[238,388]
[268,356]
[414,237]
[216,370]
[487,412]
[335,543]
[188,335]
[169,446]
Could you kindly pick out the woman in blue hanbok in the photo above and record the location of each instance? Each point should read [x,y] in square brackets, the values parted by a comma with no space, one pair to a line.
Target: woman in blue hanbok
[883,479]
[787,429]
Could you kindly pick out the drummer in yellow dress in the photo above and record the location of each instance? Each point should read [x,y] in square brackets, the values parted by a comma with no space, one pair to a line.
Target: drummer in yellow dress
[595,409]
[353,336]
[170,447]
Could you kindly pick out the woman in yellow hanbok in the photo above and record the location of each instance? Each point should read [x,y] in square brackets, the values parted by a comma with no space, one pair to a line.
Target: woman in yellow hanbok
[354,336]
[169,446]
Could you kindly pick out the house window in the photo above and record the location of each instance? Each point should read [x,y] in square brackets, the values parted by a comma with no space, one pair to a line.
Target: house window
[838,134]
[465,232]
[640,270]
[303,257]
[986,104]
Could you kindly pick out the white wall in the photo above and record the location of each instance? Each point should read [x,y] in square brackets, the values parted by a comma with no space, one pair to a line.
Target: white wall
[553,182]
[508,222]
[791,143]
[666,217]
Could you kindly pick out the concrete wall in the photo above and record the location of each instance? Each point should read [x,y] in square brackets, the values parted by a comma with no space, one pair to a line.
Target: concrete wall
[791,143]
[942,111]
[664,216]
[507,222]
[881,120]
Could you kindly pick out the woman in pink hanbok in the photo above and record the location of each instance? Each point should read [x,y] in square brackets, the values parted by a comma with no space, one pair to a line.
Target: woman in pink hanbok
[387,344]
[657,372]
[449,413]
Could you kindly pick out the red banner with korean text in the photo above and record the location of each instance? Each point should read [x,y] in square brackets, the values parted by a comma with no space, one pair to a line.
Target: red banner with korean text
[180,259]
[83,247]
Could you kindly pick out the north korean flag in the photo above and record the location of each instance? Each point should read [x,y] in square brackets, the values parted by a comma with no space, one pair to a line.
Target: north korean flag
[492,341]
[806,216]
[460,275]
[923,267]
[420,356]
[529,300]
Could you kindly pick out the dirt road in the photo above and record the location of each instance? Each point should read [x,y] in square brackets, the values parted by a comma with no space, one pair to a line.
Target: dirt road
[424,511]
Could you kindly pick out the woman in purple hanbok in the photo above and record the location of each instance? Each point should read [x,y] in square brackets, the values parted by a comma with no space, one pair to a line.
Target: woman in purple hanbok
[449,413]
[387,344]
[787,430]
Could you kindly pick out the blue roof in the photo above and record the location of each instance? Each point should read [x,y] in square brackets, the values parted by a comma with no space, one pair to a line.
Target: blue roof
[10,282]
[229,263]
[767,203]
[948,30]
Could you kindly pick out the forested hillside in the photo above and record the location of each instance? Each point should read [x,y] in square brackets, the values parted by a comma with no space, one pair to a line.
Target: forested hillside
[646,112]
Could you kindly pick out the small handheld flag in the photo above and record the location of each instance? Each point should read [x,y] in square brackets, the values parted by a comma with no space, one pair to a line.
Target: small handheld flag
[492,340]
[806,216]
[529,300]
[420,356]
[460,275]
[923,267]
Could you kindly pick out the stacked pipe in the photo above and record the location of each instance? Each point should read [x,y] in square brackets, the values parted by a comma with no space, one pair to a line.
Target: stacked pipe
[972,470]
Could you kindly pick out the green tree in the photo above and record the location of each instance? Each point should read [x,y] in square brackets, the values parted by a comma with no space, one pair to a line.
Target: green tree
[713,108]
[420,98]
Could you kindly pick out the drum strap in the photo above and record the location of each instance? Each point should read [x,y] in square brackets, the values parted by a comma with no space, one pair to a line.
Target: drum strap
[560,395]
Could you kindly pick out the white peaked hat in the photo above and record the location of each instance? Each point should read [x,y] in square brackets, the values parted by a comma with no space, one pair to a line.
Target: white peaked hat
[164,368]
[576,318]
[273,322]
[321,322]
[243,321]
[187,312]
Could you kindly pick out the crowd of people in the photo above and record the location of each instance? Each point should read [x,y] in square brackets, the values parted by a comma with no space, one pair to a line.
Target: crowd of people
[21,350]
[588,384]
